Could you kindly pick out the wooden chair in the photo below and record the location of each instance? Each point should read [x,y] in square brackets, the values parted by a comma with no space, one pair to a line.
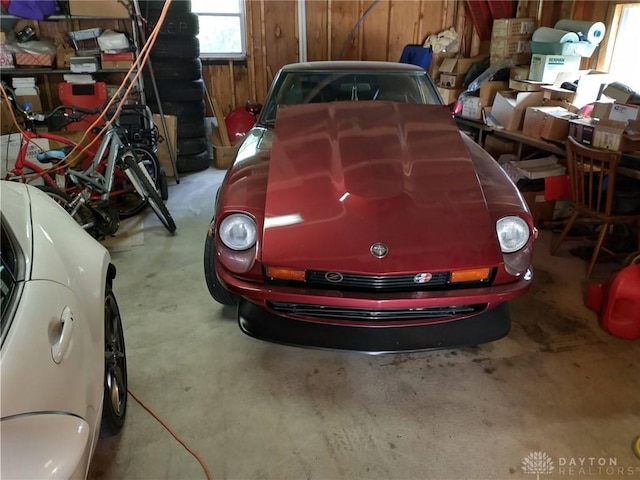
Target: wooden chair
[592,173]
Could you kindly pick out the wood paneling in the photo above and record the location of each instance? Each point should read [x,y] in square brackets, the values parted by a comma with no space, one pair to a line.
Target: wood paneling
[272,35]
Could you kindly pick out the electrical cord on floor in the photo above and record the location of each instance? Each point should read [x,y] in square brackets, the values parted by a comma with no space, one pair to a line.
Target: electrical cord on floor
[174,435]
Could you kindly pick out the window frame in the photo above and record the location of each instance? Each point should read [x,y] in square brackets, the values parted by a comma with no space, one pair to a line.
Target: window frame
[242,55]
[606,48]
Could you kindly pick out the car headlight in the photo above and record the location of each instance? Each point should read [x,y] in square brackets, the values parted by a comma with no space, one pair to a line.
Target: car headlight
[238,231]
[513,233]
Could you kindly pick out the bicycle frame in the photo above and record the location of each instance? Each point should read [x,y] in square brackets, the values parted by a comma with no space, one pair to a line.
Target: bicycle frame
[104,168]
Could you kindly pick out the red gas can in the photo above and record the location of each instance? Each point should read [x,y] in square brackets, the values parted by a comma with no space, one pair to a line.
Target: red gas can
[621,315]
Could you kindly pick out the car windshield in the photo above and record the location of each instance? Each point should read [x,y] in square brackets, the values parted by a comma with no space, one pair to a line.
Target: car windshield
[294,88]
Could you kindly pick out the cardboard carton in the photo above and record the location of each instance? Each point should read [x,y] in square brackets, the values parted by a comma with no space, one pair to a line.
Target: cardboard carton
[582,129]
[509,107]
[471,108]
[552,92]
[163,153]
[519,72]
[617,136]
[508,46]
[488,91]
[545,68]
[618,112]
[547,122]
[510,27]
[591,83]
[452,80]
[222,155]
[460,65]
[115,61]
[526,85]
[516,58]
[619,92]
[103,8]
[34,60]
[449,95]
[541,210]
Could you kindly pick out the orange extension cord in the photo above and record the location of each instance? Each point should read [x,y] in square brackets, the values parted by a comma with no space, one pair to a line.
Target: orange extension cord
[174,435]
[77,150]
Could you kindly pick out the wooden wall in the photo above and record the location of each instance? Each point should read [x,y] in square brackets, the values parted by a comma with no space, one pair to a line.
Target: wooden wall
[272,35]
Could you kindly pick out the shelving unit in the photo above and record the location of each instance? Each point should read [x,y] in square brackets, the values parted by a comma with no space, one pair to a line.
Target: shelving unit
[138,39]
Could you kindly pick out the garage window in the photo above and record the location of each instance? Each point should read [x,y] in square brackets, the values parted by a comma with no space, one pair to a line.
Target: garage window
[623,44]
[222,28]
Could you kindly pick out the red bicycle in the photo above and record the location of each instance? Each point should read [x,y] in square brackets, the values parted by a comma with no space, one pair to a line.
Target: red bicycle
[95,186]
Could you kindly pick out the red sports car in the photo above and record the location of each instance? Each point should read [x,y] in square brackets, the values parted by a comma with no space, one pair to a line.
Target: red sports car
[356,216]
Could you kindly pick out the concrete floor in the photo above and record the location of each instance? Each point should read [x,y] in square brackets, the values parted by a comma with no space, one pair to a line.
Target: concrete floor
[558,384]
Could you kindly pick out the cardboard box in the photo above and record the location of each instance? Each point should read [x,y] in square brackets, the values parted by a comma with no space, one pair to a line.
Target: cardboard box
[452,80]
[619,92]
[552,92]
[102,8]
[548,123]
[615,111]
[519,72]
[84,64]
[488,92]
[33,60]
[10,146]
[509,107]
[449,95]
[545,68]
[496,146]
[222,156]
[582,129]
[510,27]
[617,136]
[171,133]
[115,61]
[526,85]
[460,65]
[508,46]
[517,58]
[541,209]
[6,122]
[471,108]
[33,100]
[591,84]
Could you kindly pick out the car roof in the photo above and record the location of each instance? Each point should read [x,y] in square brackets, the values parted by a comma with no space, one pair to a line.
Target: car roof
[351,65]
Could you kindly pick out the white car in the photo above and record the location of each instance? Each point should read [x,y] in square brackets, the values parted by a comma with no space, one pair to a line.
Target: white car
[63,371]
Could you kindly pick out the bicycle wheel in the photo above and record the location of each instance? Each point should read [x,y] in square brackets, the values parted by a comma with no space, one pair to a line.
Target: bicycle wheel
[83,216]
[126,200]
[141,180]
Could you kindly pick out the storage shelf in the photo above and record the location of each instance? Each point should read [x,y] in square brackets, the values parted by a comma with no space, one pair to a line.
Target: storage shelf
[26,72]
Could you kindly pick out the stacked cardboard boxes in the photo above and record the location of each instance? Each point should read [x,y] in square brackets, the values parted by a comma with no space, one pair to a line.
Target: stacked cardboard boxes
[511,40]
[452,75]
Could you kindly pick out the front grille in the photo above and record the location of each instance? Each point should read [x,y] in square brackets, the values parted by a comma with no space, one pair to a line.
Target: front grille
[376,282]
[319,311]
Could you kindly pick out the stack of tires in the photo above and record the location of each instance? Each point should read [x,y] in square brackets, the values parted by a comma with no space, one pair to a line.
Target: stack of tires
[178,73]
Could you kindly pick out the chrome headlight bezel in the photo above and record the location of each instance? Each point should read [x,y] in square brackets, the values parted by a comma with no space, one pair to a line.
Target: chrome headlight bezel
[233,238]
[513,233]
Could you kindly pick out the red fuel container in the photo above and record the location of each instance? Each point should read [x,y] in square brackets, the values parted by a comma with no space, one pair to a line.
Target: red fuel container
[89,96]
[621,315]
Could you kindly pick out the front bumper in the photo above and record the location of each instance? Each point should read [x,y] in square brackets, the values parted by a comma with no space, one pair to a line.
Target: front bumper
[482,328]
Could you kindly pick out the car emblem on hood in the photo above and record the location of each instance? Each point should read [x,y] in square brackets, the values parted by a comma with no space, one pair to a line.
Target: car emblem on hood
[379,250]
[422,277]
[333,277]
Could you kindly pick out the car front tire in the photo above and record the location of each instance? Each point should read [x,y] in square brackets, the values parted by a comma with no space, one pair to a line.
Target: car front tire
[217,291]
[114,405]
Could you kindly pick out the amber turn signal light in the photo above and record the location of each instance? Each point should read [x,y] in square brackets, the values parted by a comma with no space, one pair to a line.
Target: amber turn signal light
[282,273]
[473,275]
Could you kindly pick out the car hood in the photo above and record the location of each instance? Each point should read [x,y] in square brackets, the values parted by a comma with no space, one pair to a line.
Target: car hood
[347,175]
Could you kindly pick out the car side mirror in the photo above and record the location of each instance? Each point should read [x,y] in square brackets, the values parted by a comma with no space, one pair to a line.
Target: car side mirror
[254,108]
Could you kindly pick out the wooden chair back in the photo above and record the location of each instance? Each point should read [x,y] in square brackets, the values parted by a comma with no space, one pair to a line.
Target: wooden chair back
[592,173]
